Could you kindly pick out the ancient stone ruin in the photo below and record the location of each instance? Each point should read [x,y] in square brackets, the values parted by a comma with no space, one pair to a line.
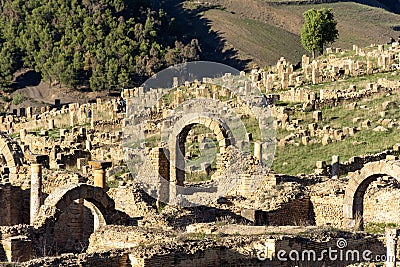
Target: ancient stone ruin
[98,188]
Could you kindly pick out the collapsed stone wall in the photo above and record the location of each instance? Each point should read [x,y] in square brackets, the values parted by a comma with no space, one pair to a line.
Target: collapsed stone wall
[132,200]
[243,251]
[53,179]
[202,251]
[358,162]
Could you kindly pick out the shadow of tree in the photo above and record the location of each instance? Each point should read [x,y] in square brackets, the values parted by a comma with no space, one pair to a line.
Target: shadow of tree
[191,25]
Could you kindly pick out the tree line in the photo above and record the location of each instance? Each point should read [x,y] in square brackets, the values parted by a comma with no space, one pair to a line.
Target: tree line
[101,44]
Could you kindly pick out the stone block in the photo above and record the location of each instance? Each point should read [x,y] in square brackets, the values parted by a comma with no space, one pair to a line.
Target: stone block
[317,115]
[18,248]
[257,217]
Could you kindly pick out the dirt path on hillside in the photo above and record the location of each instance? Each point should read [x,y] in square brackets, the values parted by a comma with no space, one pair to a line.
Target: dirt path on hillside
[42,94]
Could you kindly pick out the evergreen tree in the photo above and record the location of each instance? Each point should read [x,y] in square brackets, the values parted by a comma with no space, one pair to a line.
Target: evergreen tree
[104,44]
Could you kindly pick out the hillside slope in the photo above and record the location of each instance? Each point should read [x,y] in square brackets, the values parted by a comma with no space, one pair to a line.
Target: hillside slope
[260,32]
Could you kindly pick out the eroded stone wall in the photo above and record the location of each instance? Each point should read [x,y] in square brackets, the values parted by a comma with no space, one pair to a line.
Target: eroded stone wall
[15,205]
[382,204]
[73,228]
[328,209]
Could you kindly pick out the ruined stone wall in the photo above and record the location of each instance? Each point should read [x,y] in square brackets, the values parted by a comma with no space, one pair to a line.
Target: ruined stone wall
[16,243]
[229,251]
[104,259]
[160,160]
[73,228]
[328,209]
[113,154]
[121,237]
[15,205]
[132,200]
[295,212]
[381,205]
[54,179]
[219,256]
[243,252]
[18,176]
[108,126]
[297,95]
[358,162]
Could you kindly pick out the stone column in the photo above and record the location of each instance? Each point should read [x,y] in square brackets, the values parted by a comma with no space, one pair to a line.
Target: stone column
[72,118]
[53,154]
[315,76]
[51,124]
[92,121]
[36,191]
[22,134]
[175,82]
[335,167]
[258,151]
[82,132]
[317,115]
[28,112]
[99,178]
[391,247]
[88,145]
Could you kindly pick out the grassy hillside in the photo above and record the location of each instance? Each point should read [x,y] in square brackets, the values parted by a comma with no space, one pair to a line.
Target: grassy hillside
[357,24]
[255,39]
[260,32]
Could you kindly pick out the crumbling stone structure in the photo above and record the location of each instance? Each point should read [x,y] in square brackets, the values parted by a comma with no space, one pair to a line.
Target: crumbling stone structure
[66,188]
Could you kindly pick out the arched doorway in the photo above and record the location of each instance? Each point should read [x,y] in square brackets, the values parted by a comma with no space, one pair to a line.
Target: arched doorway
[78,208]
[220,130]
[353,204]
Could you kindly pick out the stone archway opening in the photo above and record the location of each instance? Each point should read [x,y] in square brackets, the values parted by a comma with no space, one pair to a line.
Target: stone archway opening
[208,135]
[381,206]
[200,151]
[73,212]
[75,225]
[373,173]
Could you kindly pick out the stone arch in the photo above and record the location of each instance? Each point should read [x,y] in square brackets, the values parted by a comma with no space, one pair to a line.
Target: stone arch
[221,130]
[103,206]
[358,183]
[11,151]
[62,197]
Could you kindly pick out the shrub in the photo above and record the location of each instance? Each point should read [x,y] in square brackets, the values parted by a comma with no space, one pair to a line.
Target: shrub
[18,99]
